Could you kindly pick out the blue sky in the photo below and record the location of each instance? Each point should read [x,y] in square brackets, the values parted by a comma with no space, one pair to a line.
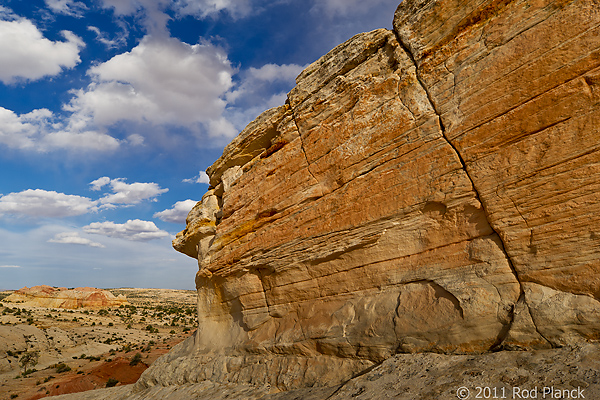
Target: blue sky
[110,111]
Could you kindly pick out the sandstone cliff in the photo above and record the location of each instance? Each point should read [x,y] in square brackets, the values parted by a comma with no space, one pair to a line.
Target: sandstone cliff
[51,297]
[428,189]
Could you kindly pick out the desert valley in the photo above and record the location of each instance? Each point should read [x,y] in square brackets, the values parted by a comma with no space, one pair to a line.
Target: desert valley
[47,350]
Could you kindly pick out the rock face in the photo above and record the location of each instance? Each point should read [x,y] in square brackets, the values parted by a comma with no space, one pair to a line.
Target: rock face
[51,297]
[431,188]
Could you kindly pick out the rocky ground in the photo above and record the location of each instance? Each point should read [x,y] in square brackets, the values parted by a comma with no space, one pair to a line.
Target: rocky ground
[77,350]
[562,373]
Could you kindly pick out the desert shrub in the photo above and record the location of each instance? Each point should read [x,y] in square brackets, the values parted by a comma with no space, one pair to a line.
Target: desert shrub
[136,359]
[111,382]
[62,367]
[29,358]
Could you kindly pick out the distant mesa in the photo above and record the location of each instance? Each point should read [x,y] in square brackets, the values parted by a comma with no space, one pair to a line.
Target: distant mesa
[53,297]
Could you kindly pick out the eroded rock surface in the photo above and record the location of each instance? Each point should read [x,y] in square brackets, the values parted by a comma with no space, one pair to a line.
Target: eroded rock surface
[52,297]
[567,373]
[516,86]
[431,188]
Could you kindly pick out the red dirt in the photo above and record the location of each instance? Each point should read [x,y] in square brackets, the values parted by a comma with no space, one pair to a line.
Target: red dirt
[98,373]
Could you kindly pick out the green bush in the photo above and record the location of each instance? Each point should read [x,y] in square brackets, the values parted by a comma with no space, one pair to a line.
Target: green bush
[62,367]
[136,359]
[111,382]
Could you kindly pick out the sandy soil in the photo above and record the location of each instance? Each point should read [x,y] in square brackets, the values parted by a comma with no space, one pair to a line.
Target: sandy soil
[94,345]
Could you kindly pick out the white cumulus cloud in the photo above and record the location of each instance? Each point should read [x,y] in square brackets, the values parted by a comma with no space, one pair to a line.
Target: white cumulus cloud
[178,213]
[201,178]
[74,238]
[126,193]
[26,54]
[136,230]
[161,81]
[45,204]
[38,131]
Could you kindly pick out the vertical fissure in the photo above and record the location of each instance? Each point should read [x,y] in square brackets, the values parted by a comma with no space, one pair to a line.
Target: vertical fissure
[302,143]
[407,50]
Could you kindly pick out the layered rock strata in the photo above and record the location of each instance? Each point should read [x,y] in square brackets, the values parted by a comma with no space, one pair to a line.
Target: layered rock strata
[52,297]
[432,188]
[516,86]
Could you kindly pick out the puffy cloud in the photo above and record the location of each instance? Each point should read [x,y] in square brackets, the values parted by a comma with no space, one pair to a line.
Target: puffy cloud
[74,238]
[21,131]
[178,213]
[99,183]
[126,193]
[42,203]
[201,178]
[161,84]
[49,204]
[67,7]
[162,81]
[136,230]
[26,54]
[38,131]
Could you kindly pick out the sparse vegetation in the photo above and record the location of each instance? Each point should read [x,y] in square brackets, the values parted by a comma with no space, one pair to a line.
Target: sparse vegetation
[128,328]
[136,359]
[111,382]
[30,358]
[62,367]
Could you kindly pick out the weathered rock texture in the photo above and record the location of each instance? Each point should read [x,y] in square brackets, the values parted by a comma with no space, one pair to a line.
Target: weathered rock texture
[51,297]
[567,373]
[431,188]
